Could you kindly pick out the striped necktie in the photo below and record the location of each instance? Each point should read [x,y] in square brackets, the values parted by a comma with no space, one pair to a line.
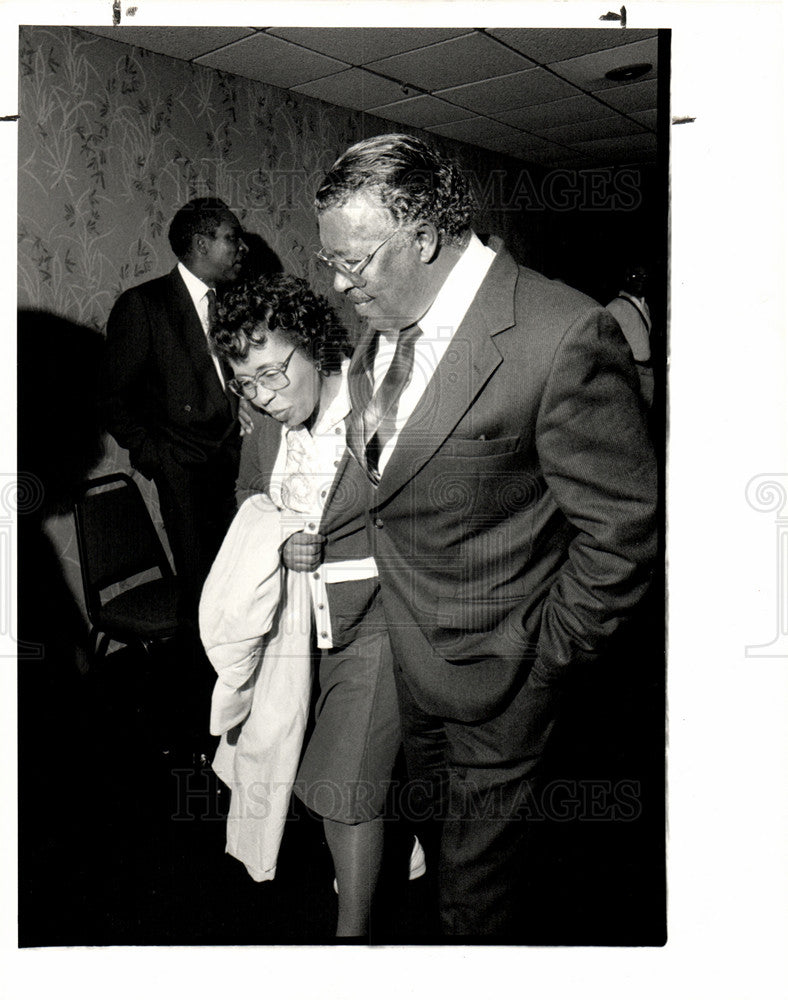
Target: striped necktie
[372,422]
[210,296]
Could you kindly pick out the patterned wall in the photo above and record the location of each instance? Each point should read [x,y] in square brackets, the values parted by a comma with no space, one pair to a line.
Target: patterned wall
[113,139]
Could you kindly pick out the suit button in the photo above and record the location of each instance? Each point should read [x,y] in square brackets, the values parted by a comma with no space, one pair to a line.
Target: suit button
[378,522]
[188,408]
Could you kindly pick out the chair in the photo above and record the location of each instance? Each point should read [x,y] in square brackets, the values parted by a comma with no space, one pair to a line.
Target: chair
[116,540]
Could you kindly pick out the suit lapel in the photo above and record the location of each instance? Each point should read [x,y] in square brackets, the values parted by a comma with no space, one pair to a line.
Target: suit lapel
[330,510]
[463,371]
[194,344]
[349,479]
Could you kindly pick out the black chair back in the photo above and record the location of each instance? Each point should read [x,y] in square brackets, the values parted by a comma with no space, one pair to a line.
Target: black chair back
[116,537]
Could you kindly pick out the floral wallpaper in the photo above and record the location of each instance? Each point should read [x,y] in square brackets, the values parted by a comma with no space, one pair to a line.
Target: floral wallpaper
[113,139]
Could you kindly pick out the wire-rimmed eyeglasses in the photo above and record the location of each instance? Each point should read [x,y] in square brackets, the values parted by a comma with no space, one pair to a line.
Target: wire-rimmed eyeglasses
[274,377]
[351,268]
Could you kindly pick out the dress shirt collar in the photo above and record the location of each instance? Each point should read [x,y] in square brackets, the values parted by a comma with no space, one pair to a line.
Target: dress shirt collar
[194,285]
[441,320]
[337,409]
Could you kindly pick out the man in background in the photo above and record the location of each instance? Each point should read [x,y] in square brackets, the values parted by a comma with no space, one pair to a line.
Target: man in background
[163,397]
[631,311]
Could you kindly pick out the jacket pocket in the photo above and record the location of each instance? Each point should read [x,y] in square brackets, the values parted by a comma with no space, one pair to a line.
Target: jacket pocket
[479,447]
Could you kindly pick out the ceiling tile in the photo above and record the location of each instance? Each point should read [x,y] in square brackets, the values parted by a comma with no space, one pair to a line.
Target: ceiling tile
[546,45]
[555,113]
[624,150]
[421,111]
[603,128]
[476,131]
[363,45]
[530,148]
[637,96]
[182,43]
[271,60]
[565,159]
[588,71]
[649,119]
[504,93]
[354,88]
[622,158]
[449,64]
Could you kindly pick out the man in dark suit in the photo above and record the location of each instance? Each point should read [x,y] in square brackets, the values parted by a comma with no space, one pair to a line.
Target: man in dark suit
[163,395]
[513,522]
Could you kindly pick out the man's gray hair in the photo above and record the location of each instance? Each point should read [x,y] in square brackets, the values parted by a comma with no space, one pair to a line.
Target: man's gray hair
[413,179]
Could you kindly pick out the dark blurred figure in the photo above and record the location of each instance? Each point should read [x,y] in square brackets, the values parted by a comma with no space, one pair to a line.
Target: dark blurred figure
[634,317]
[58,446]
[59,443]
[260,259]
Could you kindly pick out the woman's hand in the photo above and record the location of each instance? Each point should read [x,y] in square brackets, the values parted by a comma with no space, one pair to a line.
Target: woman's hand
[303,552]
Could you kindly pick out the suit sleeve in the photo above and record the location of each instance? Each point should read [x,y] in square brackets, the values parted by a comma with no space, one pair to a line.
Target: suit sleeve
[252,478]
[122,388]
[599,464]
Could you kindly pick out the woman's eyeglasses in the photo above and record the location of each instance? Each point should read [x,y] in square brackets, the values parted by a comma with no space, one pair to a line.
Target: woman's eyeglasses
[273,378]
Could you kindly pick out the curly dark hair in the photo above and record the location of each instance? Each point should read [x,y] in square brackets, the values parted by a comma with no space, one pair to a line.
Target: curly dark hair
[286,304]
[413,179]
[201,216]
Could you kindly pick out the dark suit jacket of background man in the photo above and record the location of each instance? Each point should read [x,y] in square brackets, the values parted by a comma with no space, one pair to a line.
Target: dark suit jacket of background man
[162,400]
[514,524]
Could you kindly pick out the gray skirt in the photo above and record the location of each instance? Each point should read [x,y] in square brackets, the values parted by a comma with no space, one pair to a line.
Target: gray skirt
[346,768]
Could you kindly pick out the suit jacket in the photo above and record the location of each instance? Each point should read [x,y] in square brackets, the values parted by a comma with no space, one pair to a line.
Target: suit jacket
[515,522]
[343,522]
[158,387]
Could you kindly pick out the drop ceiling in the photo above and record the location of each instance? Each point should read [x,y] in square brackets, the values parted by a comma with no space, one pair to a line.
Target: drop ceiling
[538,94]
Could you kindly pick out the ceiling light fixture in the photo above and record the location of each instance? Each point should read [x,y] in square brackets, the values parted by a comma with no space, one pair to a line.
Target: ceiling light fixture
[624,74]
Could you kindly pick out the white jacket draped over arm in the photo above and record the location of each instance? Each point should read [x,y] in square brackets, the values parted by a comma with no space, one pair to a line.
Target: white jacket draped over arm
[255,624]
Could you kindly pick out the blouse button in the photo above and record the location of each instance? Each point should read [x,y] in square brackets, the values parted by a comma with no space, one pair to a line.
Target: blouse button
[324,635]
[316,576]
[321,607]
[311,527]
[336,464]
[337,430]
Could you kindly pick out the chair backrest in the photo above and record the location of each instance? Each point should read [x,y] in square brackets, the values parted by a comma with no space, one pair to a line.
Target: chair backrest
[116,537]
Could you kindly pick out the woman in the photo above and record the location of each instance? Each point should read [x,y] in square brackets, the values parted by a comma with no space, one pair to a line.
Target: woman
[289,357]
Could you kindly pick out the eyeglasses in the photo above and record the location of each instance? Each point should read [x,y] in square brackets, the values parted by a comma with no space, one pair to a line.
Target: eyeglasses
[273,378]
[351,269]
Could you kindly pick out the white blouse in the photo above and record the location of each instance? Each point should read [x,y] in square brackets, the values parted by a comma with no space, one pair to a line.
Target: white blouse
[301,481]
